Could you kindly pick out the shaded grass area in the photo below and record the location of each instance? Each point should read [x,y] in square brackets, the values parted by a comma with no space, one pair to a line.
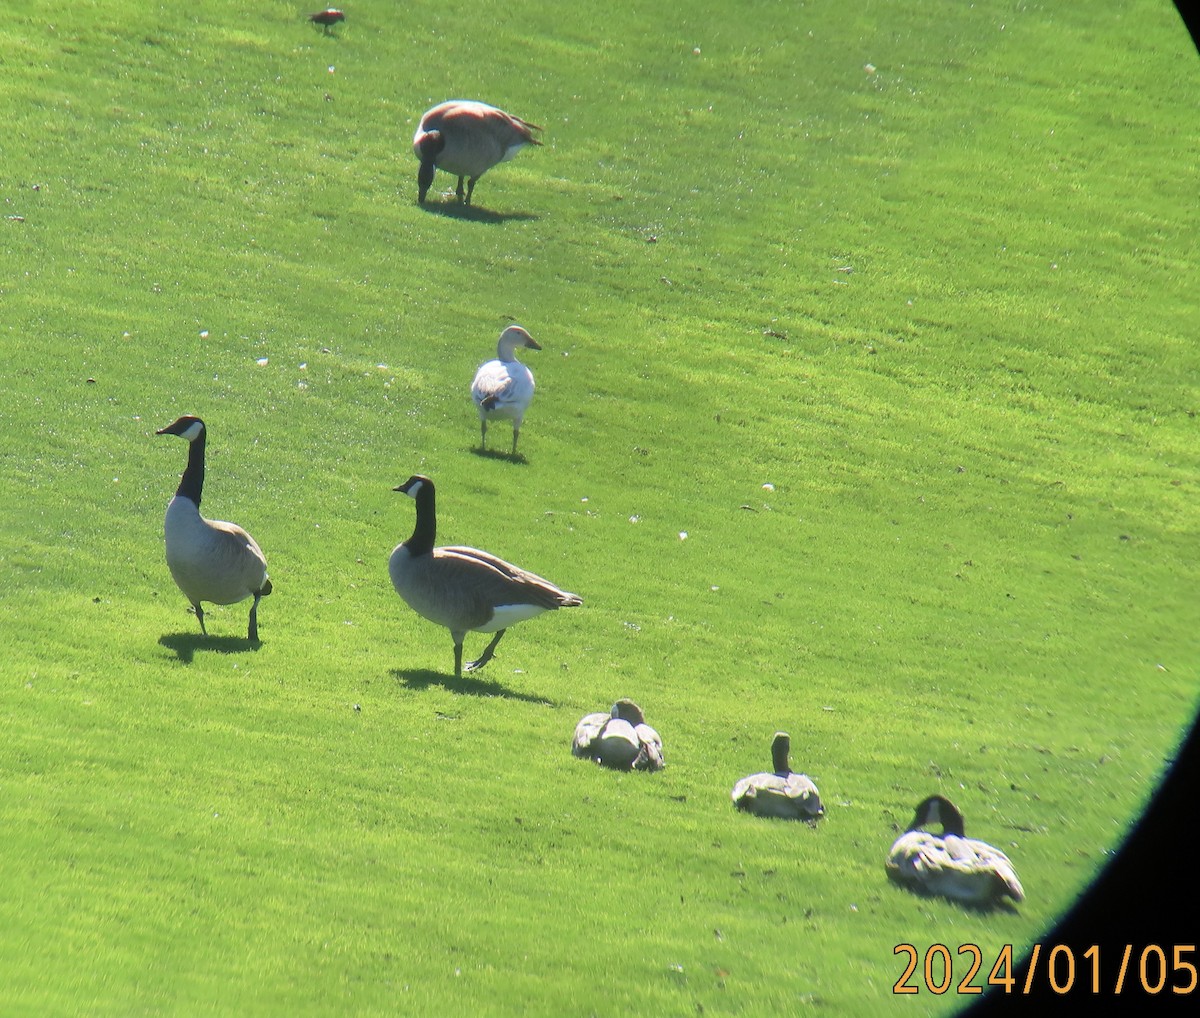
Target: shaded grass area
[925,271]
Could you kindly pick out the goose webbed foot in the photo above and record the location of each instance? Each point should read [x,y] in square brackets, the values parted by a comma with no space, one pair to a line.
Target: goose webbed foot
[486,656]
[200,615]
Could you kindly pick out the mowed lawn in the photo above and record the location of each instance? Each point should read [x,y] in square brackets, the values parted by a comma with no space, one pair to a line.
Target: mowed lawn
[865,411]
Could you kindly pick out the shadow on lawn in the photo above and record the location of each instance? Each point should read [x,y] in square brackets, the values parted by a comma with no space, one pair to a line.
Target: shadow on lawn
[422,678]
[453,209]
[185,645]
[496,454]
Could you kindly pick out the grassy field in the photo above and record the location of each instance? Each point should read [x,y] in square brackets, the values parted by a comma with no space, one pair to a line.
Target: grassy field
[866,411]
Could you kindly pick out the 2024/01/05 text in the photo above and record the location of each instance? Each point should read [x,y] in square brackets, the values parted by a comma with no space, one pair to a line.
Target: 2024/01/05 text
[1151,970]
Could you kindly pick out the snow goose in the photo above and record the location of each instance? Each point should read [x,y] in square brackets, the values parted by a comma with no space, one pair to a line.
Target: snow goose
[620,739]
[467,138]
[504,387]
[781,794]
[210,560]
[950,864]
[464,589]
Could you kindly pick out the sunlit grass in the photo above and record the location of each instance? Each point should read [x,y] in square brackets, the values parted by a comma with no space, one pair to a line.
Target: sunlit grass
[889,312]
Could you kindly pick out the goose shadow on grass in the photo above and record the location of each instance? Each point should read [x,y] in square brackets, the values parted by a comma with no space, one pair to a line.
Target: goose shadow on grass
[185,645]
[496,454]
[453,209]
[468,685]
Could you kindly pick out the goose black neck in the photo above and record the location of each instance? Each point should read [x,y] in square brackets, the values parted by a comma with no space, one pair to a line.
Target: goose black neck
[192,482]
[780,751]
[952,825]
[425,529]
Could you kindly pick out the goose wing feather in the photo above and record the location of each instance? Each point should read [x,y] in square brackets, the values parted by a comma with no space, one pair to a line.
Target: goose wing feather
[587,731]
[958,868]
[499,582]
[508,386]
[792,796]
[650,751]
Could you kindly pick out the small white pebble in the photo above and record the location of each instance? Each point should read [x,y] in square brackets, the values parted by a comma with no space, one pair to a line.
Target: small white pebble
[768,486]
[869,68]
[714,588]
[635,519]
[696,50]
[261,362]
[204,333]
[683,535]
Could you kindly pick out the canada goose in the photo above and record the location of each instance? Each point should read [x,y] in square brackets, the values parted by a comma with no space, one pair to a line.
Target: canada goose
[326,18]
[504,387]
[210,560]
[951,864]
[620,739]
[465,589]
[781,794]
[467,138]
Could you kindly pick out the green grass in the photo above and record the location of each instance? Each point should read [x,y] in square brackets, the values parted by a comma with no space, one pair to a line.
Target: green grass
[946,308]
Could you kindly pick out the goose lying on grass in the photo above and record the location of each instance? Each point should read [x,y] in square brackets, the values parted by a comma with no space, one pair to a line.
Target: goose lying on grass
[467,138]
[504,387]
[464,589]
[950,864]
[781,794]
[620,739]
[210,560]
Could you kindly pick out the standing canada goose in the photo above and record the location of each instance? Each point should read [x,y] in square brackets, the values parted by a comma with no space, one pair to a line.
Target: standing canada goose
[467,138]
[620,739]
[210,560]
[504,387]
[327,18]
[465,589]
[951,864]
[781,794]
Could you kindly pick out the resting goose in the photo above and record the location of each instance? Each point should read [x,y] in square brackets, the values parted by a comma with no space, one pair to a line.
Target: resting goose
[781,794]
[210,560]
[504,387]
[951,864]
[620,739]
[467,138]
[464,589]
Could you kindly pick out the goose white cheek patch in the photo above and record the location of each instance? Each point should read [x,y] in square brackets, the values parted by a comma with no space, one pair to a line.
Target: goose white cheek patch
[193,431]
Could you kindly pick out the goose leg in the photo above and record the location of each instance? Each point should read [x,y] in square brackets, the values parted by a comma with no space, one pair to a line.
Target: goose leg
[252,634]
[200,616]
[486,656]
[459,191]
[471,188]
[516,432]
[458,642]
[483,434]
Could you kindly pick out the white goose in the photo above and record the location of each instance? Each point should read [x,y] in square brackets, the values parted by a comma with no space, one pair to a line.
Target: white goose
[620,739]
[781,794]
[467,138]
[210,560]
[951,864]
[504,387]
[465,589]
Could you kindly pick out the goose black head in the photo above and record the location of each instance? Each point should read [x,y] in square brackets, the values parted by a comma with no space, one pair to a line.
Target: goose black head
[937,809]
[413,485]
[188,427]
